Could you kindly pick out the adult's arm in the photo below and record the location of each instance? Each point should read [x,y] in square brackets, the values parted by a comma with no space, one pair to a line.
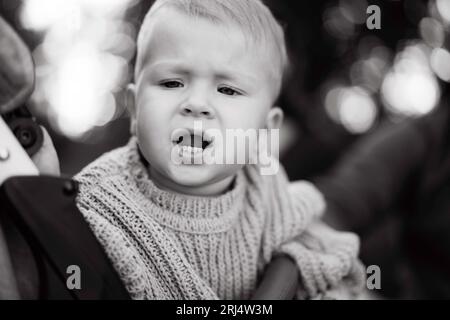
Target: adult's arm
[369,179]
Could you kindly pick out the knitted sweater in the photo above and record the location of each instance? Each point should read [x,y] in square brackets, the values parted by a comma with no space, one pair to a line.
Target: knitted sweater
[166,245]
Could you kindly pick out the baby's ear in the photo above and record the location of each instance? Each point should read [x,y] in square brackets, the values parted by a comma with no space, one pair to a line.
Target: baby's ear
[274,118]
[130,103]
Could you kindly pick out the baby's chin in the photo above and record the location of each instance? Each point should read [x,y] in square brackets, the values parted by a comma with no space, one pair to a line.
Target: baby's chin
[198,175]
[191,179]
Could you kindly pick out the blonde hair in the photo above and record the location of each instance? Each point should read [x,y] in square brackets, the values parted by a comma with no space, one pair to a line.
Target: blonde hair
[251,16]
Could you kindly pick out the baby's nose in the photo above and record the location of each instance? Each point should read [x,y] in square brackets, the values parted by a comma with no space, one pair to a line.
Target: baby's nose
[197,110]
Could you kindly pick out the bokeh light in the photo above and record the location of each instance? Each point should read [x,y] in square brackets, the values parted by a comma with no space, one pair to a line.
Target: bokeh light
[82,61]
[352,107]
[443,8]
[410,87]
[432,32]
[337,24]
[370,69]
[440,63]
[354,10]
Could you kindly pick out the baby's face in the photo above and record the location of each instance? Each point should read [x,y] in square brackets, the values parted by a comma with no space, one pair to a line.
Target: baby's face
[199,72]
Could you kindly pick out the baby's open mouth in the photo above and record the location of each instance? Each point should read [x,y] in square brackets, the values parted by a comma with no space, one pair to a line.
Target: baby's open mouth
[190,142]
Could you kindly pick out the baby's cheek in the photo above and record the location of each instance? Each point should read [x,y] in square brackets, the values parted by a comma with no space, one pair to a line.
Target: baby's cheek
[256,115]
[243,117]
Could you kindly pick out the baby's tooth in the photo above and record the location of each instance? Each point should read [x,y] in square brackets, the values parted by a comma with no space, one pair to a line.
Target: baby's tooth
[189,150]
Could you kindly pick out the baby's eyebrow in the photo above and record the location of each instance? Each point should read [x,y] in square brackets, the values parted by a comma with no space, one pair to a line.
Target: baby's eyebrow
[168,66]
[236,76]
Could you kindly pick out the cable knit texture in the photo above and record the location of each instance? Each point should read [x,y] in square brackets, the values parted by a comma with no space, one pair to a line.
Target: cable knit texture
[166,245]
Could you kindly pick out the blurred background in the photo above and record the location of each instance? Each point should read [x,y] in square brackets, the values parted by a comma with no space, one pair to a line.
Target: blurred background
[366,113]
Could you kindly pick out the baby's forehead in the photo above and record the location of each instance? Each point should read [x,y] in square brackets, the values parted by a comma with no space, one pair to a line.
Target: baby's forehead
[247,22]
[167,17]
[263,37]
[182,32]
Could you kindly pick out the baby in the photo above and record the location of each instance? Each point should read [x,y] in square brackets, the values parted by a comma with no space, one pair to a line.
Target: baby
[176,226]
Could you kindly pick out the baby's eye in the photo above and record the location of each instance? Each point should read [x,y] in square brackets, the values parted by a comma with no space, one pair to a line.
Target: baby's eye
[171,84]
[228,91]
